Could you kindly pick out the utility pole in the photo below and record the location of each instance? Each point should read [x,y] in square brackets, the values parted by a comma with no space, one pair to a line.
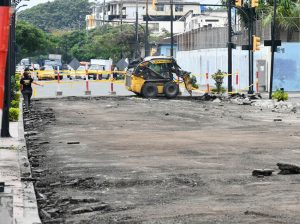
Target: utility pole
[121,18]
[172,31]
[251,58]
[273,49]
[147,50]
[104,11]
[137,30]
[229,47]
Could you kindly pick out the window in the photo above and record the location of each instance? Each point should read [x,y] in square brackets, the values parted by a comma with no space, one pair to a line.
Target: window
[160,8]
[178,8]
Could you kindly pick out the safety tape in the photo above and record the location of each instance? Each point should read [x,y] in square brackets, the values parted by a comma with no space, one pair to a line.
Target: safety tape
[199,75]
[80,83]
[78,72]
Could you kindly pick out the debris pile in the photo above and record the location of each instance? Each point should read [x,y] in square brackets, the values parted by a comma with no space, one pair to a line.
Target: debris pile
[286,168]
[280,106]
[262,172]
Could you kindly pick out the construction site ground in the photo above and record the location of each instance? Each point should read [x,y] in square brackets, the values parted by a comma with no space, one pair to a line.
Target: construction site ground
[134,160]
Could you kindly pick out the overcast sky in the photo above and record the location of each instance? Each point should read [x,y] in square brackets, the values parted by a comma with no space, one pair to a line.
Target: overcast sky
[31,3]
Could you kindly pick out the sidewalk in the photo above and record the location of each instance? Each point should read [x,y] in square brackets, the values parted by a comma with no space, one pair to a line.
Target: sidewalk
[17,202]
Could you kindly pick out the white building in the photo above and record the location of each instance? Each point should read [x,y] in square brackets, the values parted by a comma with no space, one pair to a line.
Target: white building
[113,11]
[206,19]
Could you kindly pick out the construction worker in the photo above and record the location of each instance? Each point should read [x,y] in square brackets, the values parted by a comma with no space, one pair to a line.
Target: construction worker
[26,88]
[115,74]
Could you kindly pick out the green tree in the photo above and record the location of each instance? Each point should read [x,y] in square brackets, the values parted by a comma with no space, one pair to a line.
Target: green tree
[288,14]
[104,42]
[59,14]
[32,41]
[69,39]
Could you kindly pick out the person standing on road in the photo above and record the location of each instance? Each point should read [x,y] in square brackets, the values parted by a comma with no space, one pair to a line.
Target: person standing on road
[26,88]
[115,74]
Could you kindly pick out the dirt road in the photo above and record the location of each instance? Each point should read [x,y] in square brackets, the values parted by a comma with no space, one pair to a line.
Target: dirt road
[132,160]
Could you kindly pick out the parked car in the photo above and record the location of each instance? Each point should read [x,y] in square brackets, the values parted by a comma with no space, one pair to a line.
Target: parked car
[48,72]
[36,67]
[80,72]
[67,70]
[95,71]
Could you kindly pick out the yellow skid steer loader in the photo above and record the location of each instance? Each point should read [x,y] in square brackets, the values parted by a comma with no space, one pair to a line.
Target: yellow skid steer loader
[157,76]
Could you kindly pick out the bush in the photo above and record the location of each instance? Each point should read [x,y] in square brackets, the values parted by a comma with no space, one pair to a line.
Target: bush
[14,114]
[17,77]
[18,86]
[14,103]
[280,95]
[221,90]
[17,96]
[218,77]
[194,82]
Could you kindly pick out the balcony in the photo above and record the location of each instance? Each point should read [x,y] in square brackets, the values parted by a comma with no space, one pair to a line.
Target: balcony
[112,17]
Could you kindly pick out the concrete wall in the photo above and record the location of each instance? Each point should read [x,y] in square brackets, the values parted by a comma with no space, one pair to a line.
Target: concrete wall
[286,69]
[210,60]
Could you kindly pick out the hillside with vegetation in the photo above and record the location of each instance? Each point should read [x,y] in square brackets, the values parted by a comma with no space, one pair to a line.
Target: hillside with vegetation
[58,15]
[106,42]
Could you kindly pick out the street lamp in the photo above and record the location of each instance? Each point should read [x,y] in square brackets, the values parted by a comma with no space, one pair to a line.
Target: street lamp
[172,31]
[147,51]
[136,29]
[273,49]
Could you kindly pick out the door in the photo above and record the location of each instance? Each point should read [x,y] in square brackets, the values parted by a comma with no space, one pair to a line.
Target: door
[261,68]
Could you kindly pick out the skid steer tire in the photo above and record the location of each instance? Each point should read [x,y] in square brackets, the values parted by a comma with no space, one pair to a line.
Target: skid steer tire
[171,90]
[149,90]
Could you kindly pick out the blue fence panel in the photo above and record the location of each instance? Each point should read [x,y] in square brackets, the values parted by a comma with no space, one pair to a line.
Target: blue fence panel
[287,67]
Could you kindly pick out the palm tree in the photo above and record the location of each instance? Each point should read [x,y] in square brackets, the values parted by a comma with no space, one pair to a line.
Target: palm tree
[288,14]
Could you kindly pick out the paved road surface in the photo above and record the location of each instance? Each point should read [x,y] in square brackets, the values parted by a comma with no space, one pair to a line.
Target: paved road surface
[133,160]
[78,87]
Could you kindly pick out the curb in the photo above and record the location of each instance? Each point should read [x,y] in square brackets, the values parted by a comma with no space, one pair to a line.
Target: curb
[28,214]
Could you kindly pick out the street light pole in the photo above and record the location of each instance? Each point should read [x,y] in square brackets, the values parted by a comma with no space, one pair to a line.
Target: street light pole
[273,48]
[172,31]
[137,29]
[121,15]
[147,51]
[251,59]
[229,47]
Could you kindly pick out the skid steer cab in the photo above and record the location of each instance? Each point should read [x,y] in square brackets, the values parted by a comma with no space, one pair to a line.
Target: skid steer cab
[157,76]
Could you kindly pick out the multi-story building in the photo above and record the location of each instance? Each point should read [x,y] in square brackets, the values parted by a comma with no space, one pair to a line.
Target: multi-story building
[115,11]
[205,19]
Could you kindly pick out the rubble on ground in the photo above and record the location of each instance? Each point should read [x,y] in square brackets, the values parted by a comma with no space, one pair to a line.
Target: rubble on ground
[281,106]
[254,100]
[287,168]
[262,172]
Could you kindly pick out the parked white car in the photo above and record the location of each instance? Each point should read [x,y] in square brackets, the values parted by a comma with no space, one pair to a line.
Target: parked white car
[80,72]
